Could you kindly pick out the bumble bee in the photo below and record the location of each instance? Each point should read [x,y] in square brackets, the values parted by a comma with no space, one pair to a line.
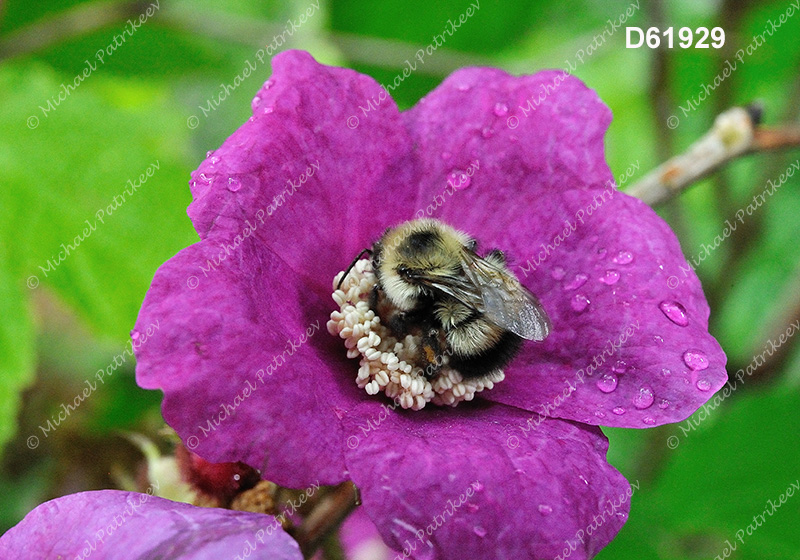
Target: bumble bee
[432,284]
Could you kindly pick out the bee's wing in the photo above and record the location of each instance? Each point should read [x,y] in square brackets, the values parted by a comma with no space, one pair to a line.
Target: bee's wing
[504,300]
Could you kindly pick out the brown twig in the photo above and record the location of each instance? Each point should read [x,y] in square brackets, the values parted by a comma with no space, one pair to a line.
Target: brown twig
[326,517]
[735,134]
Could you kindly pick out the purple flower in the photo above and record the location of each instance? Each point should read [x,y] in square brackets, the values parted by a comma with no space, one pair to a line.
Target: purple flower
[327,163]
[115,524]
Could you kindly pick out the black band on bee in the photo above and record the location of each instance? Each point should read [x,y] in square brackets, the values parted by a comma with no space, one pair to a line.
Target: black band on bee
[476,366]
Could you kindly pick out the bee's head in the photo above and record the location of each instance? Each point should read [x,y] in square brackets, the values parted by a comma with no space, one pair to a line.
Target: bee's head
[414,255]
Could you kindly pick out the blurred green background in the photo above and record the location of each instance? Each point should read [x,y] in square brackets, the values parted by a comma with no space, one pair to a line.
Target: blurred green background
[59,167]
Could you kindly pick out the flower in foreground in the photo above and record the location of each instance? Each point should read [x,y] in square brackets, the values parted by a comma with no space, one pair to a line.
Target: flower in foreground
[323,167]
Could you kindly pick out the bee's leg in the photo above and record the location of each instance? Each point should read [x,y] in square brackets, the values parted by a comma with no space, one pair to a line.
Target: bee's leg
[497,257]
[431,352]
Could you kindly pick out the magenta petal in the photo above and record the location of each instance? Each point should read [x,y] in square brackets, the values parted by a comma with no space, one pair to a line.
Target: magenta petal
[317,190]
[454,484]
[248,369]
[600,261]
[114,524]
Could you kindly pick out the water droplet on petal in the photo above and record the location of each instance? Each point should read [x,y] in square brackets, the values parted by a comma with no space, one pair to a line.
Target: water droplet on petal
[611,277]
[644,398]
[580,302]
[255,103]
[487,132]
[696,360]
[607,383]
[268,110]
[269,83]
[675,312]
[544,509]
[665,372]
[619,411]
[600,414]
[204,179]
[704,385]
[451,477]
[472,507]
[601,252]
[578,281]
[648,420]
[459,179]
[623,257]
[558,273]
[134,335]
[209,152]
[619,367]
[500,109]
[234,184]
[463,87]
[663,403]
[658,339]
[480,531]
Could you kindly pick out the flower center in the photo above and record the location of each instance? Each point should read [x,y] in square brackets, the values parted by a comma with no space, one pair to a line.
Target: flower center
[403,367]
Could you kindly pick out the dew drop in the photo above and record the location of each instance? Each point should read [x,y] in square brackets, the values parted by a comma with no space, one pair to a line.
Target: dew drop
[487,132]
[704,385]
[268,110]
[619,367]
[213,160]
[255,103]
[209,152]
[459,179]
[451,477]
[269,83]
[204,179]
[601,252]
[663,403]
[134,335]
[472,508]
[675,312]
[600,414]
[619,411]
[611,277]
[658,339]
[696,360]
[480,531]
[648,420]
[500,109]
[607,383]
[644,398]
[463,87]
[580,302]
[578,281]
[544,509]
[558,273]
[234,184]
[665,372]
[623,257]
